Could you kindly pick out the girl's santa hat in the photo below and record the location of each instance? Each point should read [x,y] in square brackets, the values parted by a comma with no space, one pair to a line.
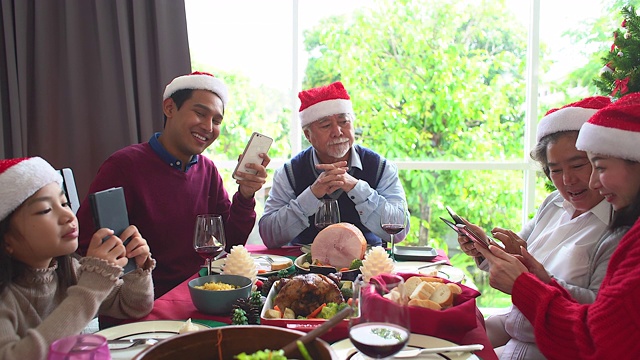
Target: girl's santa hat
[614,131]
[21,178]
[198,81]
[570,117]
[323,101]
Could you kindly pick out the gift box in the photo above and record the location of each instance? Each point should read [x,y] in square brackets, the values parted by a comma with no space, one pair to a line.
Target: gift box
[449,323]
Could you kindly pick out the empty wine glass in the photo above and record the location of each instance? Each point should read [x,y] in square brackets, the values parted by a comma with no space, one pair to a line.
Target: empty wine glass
[379,327]
[328,213]
[208,238]
[394,220]
[80,347]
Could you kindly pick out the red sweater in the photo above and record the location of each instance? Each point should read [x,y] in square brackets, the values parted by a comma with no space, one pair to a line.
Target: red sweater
[607,329]
[163,203]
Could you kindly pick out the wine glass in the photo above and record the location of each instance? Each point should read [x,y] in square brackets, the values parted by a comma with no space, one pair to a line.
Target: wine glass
[328,213]
[379,328]
[208,238]
[394,220]
[80,347]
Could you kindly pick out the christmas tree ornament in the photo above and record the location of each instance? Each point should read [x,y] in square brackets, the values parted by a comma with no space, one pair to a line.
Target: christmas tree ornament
[620,75]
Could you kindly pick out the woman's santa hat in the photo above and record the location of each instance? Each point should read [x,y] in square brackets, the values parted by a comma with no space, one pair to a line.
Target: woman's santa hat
[614,131]
[21,178]
[570,117]
[198,81]
[323,101]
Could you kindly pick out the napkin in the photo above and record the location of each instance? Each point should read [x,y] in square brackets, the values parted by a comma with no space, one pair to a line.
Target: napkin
[452,323]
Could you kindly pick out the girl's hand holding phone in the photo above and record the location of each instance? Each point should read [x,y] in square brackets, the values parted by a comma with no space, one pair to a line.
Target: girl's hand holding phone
[105,245]
[136,246]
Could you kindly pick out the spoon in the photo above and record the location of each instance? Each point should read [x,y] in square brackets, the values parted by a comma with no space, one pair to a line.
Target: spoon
[459,348]
[291,347]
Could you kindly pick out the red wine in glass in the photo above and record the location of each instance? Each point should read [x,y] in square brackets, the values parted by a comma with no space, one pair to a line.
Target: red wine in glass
[209,252]
[392,229]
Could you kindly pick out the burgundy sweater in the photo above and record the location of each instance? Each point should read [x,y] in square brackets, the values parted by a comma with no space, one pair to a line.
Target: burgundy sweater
[163,203]
[607,329]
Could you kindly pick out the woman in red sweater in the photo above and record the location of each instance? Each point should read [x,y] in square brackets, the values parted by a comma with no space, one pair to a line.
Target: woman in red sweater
[610,327]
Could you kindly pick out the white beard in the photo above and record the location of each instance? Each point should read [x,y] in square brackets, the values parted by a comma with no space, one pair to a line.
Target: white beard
[339,150]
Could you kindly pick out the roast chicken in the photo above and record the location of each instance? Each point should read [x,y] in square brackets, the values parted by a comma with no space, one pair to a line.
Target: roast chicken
[305,293]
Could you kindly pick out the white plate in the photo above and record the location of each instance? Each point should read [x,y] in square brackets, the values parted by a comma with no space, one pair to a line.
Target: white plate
[346,350]
[159,329]
[443,270]
[261,263]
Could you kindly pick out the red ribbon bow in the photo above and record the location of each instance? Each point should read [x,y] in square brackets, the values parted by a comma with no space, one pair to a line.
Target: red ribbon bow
[621,86]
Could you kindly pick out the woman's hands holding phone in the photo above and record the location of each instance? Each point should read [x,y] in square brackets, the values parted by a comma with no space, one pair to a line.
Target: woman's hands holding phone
[512,242]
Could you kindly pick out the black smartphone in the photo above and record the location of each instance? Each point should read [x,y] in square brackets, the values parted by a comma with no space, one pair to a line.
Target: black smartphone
[109,209]
[454,216]
[464,229]
[452,225]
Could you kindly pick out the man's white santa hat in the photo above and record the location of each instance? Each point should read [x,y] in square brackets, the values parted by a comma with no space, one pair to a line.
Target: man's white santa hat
[198,81]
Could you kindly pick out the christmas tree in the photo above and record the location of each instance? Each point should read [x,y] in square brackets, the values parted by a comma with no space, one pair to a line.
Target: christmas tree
[621,74]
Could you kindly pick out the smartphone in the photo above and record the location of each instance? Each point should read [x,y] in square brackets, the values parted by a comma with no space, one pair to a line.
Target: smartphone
[109,209]
[258,144]
[452,225]
[473,236]
[454,216]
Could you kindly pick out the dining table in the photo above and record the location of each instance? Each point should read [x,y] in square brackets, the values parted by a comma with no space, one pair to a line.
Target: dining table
[177,305]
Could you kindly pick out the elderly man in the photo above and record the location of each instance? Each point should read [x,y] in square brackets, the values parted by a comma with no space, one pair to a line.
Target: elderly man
[332,168]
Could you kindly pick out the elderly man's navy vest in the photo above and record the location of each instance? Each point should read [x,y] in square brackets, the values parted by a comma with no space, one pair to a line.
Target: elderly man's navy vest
[302,173]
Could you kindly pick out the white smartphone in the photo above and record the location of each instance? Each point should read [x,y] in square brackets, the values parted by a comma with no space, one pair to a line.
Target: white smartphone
[258,144]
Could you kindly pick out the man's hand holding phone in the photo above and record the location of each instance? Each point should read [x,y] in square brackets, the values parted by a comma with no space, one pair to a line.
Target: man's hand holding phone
[251,173]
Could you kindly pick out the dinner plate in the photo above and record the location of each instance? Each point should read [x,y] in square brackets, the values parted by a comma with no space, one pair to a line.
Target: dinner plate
[443,270]
[346,350]
[158,329]
[261,264]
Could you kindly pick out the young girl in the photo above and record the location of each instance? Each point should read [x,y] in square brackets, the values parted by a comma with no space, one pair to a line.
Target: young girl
[608,328]
[47,293]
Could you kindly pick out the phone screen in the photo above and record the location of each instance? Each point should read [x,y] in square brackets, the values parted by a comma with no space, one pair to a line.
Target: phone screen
[454,216]
[451,225]
[473,236]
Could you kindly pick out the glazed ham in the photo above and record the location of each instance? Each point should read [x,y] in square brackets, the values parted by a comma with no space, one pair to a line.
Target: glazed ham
[338,245]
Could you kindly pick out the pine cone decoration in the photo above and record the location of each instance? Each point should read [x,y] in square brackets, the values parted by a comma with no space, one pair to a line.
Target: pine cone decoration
[251,311]
[267,284]
[375,262]
[239,317]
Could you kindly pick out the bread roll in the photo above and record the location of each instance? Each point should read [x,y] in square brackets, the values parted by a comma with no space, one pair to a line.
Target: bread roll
[423,291]
[442,295]
[425,304]
[455,288]
[280,265]
[410,284]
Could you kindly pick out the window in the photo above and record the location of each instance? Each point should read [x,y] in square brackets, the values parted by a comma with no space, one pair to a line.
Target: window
[451,91]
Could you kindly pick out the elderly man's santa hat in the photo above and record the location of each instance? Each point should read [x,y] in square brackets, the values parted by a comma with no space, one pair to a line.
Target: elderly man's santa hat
[21,178]
[614,131]
[570,117]
[323,101]
[198,81]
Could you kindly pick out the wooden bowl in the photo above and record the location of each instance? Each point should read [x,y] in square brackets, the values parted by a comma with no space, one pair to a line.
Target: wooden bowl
[234,340]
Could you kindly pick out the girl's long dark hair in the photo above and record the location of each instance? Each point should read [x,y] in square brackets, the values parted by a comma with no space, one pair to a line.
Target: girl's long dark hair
[11,269]
[628,215]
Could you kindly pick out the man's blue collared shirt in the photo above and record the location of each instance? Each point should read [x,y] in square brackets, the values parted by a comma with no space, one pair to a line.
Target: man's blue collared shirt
[167,157]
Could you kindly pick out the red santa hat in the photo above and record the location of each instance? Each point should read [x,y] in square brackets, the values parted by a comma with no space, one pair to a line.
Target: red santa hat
[570,117]
[198,81]
[21,178]
[323,101]
[615,130]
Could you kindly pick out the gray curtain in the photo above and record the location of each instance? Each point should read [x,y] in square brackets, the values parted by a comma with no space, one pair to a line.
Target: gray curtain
[81,79]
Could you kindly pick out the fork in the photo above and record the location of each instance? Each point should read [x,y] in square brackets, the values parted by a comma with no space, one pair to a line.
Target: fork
[268,258]
[121,344]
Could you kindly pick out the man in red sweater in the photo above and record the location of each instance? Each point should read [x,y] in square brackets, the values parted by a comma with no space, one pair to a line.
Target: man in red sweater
[167,183]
